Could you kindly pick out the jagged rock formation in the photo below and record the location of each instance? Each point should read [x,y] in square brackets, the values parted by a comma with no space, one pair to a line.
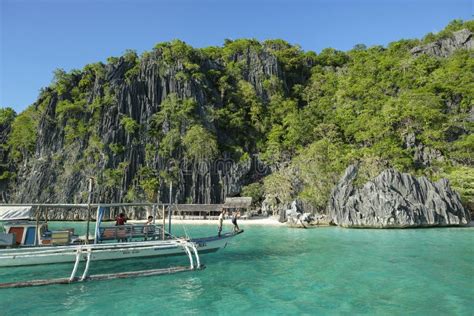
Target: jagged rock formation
[395,200]
[271,206]
[275,205]
[5,128]
[295,217]
[462,39]
[423,156]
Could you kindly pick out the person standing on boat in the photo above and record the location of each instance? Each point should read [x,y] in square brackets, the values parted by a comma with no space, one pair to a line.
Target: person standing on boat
[221,221]
[235,215]
[121,232]
[149,229]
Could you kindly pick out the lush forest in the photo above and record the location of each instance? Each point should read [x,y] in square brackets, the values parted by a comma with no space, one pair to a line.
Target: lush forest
[307,118]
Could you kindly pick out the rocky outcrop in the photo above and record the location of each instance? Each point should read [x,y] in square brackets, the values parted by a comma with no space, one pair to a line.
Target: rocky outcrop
[258,66]
[395,200]
[5,128]
[423,156]
[296,217]
[273,205]
[445,47]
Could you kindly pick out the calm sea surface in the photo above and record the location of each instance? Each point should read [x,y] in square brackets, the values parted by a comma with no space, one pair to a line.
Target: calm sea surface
[275,270]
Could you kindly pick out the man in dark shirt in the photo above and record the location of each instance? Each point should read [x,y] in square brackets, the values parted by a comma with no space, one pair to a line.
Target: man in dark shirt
[120,220]
[121,232]
[235,215]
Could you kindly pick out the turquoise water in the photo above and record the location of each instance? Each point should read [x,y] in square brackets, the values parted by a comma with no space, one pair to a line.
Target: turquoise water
[275,270]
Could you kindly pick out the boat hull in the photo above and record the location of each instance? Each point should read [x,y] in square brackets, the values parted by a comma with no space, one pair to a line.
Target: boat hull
[111,251]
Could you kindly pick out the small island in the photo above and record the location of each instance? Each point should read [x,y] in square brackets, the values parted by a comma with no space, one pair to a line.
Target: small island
[266,120]
[236,157]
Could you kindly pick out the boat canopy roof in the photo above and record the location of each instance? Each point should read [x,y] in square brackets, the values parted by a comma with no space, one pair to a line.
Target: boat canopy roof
[10,213]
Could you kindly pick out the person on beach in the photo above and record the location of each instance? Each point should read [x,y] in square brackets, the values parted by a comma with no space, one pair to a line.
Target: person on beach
[235,215]
[221,221]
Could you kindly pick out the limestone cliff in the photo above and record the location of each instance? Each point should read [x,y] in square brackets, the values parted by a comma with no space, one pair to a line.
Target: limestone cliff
[58,168]
[395,200]
[462,39]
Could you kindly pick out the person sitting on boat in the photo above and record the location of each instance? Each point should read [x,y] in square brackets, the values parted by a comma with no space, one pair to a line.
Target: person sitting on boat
[221,221]
[149,221]
[120,220]
[235,215]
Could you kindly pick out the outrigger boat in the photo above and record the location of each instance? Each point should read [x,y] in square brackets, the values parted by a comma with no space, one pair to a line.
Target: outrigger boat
[26,240]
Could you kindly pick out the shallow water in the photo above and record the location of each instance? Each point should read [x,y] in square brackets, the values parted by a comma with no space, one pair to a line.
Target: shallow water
[275,270]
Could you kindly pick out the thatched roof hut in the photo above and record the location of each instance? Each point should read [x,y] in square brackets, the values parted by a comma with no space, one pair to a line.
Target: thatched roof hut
[237,203]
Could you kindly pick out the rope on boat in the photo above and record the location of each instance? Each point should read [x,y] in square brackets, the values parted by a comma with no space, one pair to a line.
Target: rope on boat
[184,226]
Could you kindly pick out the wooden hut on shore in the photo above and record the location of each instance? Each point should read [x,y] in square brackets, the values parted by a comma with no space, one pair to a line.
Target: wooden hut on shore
[197,211]
[242,204]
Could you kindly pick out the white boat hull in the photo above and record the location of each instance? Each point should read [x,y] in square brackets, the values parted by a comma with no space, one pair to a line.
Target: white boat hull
[107,251]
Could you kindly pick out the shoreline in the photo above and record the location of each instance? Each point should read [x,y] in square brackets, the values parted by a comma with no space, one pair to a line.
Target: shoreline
[268,221]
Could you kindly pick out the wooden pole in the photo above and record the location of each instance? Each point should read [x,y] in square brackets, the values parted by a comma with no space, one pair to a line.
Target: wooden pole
[38,209]
[155,207]
[164,223]
[169,208]
[89,201]
[97,224]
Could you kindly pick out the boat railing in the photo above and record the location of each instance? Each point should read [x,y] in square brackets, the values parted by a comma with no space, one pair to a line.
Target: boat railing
[129,232]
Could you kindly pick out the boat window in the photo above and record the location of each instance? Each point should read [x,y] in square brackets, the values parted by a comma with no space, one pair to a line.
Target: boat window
[18,231]
[30,236]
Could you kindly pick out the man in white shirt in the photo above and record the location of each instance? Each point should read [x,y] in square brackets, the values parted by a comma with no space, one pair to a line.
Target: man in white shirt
[221,221]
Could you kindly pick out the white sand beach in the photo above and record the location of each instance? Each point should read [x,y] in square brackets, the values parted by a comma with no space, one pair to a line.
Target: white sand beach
[266,221]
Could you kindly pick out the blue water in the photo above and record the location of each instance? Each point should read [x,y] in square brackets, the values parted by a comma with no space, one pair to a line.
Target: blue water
[276,270]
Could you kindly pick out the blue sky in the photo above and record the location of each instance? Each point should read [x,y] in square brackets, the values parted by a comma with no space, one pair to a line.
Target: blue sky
[38,36]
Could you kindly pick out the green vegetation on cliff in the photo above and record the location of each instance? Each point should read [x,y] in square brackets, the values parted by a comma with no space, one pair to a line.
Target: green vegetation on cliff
[306,115]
